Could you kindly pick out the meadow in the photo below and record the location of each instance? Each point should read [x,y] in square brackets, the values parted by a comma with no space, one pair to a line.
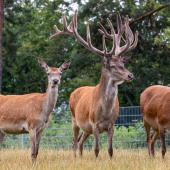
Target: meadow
[136,159]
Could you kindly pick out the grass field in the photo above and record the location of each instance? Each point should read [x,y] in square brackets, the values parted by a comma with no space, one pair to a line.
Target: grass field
[64,160]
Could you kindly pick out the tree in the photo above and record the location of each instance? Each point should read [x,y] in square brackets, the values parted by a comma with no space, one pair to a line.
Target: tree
[28,25]
[1,39]
[149,61]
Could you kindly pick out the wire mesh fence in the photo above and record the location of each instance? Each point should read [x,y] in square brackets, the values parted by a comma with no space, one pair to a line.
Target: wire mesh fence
[128,132]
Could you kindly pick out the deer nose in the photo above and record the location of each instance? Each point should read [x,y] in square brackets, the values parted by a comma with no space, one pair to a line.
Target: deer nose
[55,81]
[130,76]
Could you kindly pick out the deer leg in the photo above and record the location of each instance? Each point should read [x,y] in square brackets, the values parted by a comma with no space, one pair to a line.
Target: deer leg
[96,140]
[148,137]
[110,137]
[153,140]
[32,133]
[37,142]
[2,135]
[82,140]
[162,139]
[75,129]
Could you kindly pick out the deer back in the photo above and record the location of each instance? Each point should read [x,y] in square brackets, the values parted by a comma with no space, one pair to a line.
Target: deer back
[17,107]
[151,100]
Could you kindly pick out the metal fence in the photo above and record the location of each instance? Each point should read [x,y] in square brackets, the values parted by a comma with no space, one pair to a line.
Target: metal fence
[129,116]
[129,132]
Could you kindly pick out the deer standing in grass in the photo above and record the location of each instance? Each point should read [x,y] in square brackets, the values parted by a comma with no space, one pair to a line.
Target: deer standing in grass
[95,109]
[29,113]
[155,108]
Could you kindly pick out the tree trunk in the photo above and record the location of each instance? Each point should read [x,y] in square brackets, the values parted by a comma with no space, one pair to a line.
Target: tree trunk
[1,34]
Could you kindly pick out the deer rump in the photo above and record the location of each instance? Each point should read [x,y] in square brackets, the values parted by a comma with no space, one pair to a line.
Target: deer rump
[85,104]
[17,111]
[155,106]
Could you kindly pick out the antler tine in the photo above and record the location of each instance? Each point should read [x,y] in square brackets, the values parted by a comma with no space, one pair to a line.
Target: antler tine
[111,26]
[65,23]
[87,44]
[113,36]
[120,31]
[70,26]
[57,32]
[76,35]
[74,22]
[88,35]
[128,39]
[91,47]
[66,30]
[131,36]
[101,32]
[120,27]
[75,19]
[104,45]
[135,42]
[104,31]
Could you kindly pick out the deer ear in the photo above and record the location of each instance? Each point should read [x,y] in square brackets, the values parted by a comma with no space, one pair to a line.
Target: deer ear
[43,64]
[65,66]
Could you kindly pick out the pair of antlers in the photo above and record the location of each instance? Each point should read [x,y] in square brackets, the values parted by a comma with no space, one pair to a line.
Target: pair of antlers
[123,28]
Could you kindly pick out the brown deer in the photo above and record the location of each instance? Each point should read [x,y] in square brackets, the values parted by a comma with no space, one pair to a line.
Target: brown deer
[95,109]
[155,107]
[29,113]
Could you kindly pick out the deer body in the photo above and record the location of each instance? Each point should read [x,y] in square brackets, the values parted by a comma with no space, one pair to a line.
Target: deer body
[155,108]
[95,109]
[29,113]
[23,109]
[95,105]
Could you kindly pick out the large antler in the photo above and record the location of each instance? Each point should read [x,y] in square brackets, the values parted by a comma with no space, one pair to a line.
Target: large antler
[122,28]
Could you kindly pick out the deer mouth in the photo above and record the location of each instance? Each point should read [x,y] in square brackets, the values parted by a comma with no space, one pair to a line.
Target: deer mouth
[129,80]
[130,77]
[54,86]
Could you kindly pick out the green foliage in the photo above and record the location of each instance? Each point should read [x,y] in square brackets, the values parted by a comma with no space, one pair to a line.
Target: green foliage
[28,25]
[149,61]
[130,137]
[59,135]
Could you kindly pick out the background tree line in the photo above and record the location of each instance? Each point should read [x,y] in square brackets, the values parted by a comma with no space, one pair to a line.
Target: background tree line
[28,25]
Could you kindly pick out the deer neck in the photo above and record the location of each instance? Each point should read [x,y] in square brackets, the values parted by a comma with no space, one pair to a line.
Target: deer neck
[108,89]
[50,101]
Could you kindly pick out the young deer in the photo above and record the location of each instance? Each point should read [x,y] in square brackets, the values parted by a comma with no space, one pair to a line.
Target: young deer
[154,102]
[29,113]
[95,109]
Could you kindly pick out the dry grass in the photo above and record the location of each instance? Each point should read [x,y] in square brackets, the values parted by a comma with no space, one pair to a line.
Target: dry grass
[64,160]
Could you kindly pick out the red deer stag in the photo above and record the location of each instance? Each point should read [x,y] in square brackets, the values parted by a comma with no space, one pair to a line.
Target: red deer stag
[95,109]
[155,107]
[29,113]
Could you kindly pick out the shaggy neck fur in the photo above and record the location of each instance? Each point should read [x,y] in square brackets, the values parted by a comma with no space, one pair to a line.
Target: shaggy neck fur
[50,101]
[108,90]
[108,85]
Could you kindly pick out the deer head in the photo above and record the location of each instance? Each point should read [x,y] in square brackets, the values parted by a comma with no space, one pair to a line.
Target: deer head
[113,60]
[54,74]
